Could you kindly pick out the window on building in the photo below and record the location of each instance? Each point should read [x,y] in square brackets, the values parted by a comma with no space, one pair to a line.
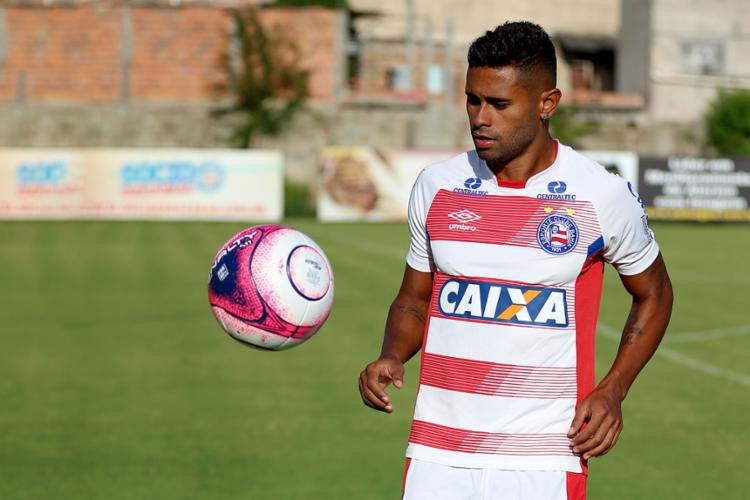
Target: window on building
[591,60]
[583,75]
[703,57]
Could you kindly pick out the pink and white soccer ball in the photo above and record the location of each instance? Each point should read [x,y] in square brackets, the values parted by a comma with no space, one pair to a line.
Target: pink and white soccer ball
[271,287]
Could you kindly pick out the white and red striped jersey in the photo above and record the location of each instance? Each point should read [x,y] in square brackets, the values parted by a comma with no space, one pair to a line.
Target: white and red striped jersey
[508,348]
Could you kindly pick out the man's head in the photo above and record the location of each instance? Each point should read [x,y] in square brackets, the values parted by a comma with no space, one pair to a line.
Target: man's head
[510,89]
[522,45]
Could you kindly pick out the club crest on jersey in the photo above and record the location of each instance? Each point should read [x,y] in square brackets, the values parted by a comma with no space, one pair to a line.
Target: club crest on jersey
[504,303]
[557,234]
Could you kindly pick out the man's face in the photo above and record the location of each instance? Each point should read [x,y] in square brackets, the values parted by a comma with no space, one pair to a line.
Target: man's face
[503,110]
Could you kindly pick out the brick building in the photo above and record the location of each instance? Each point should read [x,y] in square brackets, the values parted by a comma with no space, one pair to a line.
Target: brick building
[382,73]
[168,51]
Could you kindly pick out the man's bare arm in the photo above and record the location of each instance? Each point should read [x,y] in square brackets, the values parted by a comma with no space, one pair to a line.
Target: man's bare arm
[648,319]
[404,330]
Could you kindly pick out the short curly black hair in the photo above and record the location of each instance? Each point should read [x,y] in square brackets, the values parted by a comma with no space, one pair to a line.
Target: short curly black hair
[521,44]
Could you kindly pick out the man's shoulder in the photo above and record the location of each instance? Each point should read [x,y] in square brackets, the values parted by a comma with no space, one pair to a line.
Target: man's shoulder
[590,178]
[464,170]
[452,166]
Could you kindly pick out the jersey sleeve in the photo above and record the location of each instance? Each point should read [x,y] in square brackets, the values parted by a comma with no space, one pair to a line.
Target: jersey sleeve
[629,243]
[419,256]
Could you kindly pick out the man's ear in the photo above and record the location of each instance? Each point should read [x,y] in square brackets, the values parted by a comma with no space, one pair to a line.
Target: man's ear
[548,103]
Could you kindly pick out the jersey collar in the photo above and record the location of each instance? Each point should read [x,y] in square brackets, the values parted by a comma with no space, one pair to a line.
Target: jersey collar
[539,176]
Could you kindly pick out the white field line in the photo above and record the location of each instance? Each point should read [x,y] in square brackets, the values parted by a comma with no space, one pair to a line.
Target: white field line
[665,352]
[700,336]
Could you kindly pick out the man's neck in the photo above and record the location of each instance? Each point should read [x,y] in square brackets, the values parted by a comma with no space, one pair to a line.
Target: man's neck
[539,156]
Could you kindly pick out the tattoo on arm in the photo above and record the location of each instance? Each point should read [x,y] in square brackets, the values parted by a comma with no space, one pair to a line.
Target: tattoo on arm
[413,311]
[630,332]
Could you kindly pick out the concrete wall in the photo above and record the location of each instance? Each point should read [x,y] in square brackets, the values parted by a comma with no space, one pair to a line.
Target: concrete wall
[677,95]
[633,47]
[402,126]
[441,23]
[596,17]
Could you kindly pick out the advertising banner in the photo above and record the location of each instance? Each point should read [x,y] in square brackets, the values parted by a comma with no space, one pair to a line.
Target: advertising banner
[173,184]
[360,183]
[696,188]
[369,184]
[41,183]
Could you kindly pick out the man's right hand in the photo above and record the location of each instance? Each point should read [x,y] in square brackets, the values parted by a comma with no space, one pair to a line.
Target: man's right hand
[375,378]
[404,329]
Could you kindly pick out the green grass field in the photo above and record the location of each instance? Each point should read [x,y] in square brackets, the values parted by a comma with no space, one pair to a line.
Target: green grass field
[116,382]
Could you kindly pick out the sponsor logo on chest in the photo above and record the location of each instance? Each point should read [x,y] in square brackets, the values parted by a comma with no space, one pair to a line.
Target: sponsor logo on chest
[471,186]
[504,303]
[556,191]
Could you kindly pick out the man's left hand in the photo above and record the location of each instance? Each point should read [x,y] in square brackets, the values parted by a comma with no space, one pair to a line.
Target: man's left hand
[597,423]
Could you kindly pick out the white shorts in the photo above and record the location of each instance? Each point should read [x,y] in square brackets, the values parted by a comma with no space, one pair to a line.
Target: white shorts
[431,481]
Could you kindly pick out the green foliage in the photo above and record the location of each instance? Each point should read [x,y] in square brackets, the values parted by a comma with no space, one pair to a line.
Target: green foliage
[566,127]
[264,79]
[298,200]
[728,123]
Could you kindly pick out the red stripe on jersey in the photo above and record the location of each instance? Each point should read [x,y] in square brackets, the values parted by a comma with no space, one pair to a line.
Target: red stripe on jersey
[497,379]
[504,220]
[588,298]
[491,443]
[406,473]
[435,313]
[575,485]
[440,278]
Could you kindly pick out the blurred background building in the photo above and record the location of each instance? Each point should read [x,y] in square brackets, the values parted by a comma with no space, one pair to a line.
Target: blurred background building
[383,73]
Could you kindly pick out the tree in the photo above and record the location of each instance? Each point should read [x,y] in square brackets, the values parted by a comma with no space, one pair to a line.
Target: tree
[568,128]
[263,78]
[728,123]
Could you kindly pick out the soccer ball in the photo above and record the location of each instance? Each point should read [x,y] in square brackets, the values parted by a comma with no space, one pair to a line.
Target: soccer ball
[270,287]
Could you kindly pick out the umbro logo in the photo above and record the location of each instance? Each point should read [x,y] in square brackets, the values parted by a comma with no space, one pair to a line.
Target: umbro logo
[464,216]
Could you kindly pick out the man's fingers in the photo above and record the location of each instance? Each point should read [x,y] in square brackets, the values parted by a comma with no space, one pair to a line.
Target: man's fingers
[375,378]
[615,437]
[586,434]
[372,400]
[582,413]
[617,434]
[596,432]
[604,447]
[372,383]
[397,376]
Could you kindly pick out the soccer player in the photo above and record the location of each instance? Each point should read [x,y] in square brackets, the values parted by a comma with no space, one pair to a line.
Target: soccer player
[501,292]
